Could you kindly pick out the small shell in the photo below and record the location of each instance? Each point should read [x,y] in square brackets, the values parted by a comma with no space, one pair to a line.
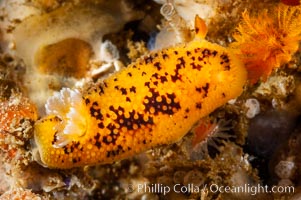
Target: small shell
[178,176]
[108,52]
[253,107]
[285,169]
[194,177]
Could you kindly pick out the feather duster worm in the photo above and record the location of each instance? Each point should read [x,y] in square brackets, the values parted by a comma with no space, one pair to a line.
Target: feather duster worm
[268,40]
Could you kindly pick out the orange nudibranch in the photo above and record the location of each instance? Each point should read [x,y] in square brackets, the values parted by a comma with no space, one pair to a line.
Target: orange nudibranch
[155,100]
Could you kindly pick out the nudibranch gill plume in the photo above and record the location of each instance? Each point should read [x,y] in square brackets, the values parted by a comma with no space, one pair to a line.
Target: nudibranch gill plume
[155,100]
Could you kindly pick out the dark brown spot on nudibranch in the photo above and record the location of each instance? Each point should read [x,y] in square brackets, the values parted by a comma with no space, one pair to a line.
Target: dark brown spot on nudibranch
[147,84]
[176,77]
[115,152]
[105,84]
[198,105]
[158,66]
[123,91]
[214,53]
[206,88]
[106,140]
[96,113]
[224,57]
[97,136]
[133,119]
[156,75]
[148,60]
[133,89]
[182,61]
[227,67]
[206,53]
[198,89]
[87,101]
[111,108]
[54,140]
[165,56]
[166,105]
[101,89]
[98,144]
[111,126]
[66,151]
[196,66]
[163,79]
[100,125]
[197,50]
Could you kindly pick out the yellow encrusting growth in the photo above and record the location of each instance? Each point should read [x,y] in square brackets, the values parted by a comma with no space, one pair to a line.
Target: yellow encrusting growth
[155,100]
[269,40]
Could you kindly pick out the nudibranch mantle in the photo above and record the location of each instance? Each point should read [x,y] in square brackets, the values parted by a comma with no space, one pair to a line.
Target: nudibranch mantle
[155,100]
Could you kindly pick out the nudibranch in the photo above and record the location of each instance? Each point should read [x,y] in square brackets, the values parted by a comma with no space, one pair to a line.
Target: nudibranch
[154,101]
